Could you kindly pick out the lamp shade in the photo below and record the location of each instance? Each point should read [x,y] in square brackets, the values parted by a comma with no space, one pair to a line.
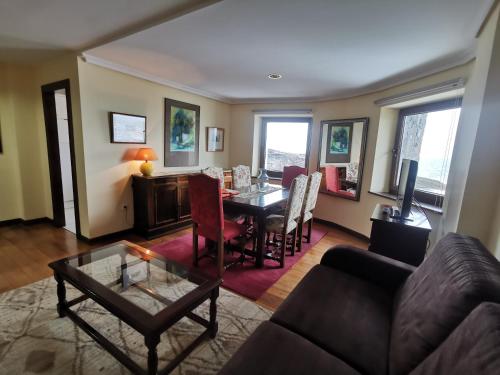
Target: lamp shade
[146,154]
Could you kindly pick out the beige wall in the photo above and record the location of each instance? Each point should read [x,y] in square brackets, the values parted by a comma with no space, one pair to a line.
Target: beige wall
[350,214]
[482,184]
[11,202]
[107,174]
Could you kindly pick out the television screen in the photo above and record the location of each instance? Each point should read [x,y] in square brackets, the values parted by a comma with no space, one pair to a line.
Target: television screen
[407,178]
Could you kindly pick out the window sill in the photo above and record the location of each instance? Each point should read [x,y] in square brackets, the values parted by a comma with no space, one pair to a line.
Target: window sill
[428,207]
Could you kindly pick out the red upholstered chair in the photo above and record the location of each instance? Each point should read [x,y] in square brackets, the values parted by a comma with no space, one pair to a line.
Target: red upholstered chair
[332,178]
[289,173]
[208,218]
[333,181]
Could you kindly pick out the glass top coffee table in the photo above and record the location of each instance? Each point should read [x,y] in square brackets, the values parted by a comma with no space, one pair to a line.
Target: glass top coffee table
[143,289]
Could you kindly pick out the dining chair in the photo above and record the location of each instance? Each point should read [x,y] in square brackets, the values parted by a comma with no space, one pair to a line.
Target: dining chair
[218,173]
[306,214]
[286,225]
[215,172]
[289,173]
[208,220]
[241,177]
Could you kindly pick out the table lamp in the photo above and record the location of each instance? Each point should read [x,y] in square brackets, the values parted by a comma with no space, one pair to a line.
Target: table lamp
[146,154]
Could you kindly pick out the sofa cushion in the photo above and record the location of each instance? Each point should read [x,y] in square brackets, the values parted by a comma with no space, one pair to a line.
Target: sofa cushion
[343,314]
[472,348]
[272,349]
[458,275]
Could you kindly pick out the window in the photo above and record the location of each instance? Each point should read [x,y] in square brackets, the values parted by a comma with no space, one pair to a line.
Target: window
[284,141]
[426,133]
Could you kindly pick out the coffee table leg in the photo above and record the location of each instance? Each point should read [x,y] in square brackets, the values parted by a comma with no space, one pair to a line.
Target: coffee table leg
[214,326]
[151,344]
[61,295]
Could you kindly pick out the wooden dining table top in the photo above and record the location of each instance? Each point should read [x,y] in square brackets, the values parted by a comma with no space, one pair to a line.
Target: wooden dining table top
[258,196]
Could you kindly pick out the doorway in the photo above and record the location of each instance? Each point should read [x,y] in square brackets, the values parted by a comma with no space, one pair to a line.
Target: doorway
[56,98]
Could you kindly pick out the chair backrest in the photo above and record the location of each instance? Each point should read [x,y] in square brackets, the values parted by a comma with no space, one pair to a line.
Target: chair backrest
[215,172]
[455,278]
[241,177]
[332,178]
[311,192]
[472,348]
[289,173]
[206,205]
[295,200]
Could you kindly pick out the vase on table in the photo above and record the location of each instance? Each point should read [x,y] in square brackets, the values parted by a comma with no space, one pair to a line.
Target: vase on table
[262,179]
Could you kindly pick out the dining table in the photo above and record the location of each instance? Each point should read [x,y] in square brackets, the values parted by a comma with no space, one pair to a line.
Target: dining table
[258,201]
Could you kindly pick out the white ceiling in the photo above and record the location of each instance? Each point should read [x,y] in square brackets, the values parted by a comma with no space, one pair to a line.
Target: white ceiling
[32,30]
[323,48]
[225,49]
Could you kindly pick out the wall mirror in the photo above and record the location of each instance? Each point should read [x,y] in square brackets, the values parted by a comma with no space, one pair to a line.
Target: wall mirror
[342,147]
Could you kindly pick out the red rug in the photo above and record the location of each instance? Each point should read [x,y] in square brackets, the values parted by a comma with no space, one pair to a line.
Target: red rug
[243,279]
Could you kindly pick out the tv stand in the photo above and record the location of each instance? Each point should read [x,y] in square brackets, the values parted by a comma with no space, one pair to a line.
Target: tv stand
[397,238]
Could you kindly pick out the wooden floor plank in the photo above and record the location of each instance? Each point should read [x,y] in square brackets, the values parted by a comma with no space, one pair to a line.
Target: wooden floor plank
[26,250]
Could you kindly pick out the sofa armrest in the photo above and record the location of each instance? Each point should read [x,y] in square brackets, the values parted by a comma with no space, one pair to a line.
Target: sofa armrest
[388,273]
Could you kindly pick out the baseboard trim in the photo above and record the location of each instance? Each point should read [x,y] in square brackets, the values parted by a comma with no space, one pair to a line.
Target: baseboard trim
[6,223]
[39,220]
[342,228]
[106,237]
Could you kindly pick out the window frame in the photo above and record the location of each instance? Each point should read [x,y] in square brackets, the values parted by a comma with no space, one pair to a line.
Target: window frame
[421,196]
[263,140]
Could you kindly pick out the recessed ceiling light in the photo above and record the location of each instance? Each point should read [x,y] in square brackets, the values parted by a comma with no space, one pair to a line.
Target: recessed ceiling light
[274,76]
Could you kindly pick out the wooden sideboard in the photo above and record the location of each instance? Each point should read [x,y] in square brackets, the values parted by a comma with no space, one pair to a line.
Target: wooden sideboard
[161,203]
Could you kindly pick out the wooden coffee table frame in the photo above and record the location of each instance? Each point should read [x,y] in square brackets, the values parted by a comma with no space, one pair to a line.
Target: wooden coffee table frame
[150,326]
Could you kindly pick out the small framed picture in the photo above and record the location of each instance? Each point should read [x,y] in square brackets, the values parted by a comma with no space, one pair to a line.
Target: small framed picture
[215,139]
[125,128]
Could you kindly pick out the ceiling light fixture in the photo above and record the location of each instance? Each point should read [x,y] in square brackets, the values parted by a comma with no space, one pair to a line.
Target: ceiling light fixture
[274,76]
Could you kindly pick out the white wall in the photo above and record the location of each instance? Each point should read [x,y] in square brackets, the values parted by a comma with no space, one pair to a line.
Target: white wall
[108,172]
[472,106]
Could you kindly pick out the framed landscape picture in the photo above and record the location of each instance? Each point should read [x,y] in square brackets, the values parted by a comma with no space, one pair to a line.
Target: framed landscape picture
[215,139]
[339,143]
[182,134]
[125,128]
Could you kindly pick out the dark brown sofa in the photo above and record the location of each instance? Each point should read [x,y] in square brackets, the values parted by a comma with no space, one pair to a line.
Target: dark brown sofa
[361,313]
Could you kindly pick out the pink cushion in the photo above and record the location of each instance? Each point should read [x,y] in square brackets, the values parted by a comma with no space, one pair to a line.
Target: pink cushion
[332,178]
[232,230]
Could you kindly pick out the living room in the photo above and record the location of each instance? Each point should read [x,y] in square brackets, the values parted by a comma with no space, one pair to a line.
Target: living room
[241,69]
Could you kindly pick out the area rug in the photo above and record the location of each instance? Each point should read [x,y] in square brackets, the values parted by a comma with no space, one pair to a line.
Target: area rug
[34,340]
[244,279]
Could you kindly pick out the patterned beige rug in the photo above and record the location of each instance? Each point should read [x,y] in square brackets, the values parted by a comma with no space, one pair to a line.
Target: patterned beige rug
[34,340]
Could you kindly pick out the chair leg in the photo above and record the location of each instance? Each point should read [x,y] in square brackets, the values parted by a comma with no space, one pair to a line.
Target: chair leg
[220,256]
[195,244]
[283,250]
[299,235]
[294,241]
[309,230]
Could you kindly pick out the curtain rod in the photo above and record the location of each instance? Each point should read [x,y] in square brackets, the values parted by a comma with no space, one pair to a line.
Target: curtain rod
[438,88]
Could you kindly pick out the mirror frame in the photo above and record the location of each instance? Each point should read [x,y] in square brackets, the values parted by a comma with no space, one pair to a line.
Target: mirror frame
[362,154]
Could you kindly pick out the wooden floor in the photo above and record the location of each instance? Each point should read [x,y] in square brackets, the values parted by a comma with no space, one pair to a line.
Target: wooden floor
[25,251]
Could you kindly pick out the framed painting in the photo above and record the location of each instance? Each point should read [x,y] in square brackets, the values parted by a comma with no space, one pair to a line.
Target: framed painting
[339,143]
[182,134]
[215,139]
[125,128]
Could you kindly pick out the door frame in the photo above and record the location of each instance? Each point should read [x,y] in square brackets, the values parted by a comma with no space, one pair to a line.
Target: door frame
[56,186]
